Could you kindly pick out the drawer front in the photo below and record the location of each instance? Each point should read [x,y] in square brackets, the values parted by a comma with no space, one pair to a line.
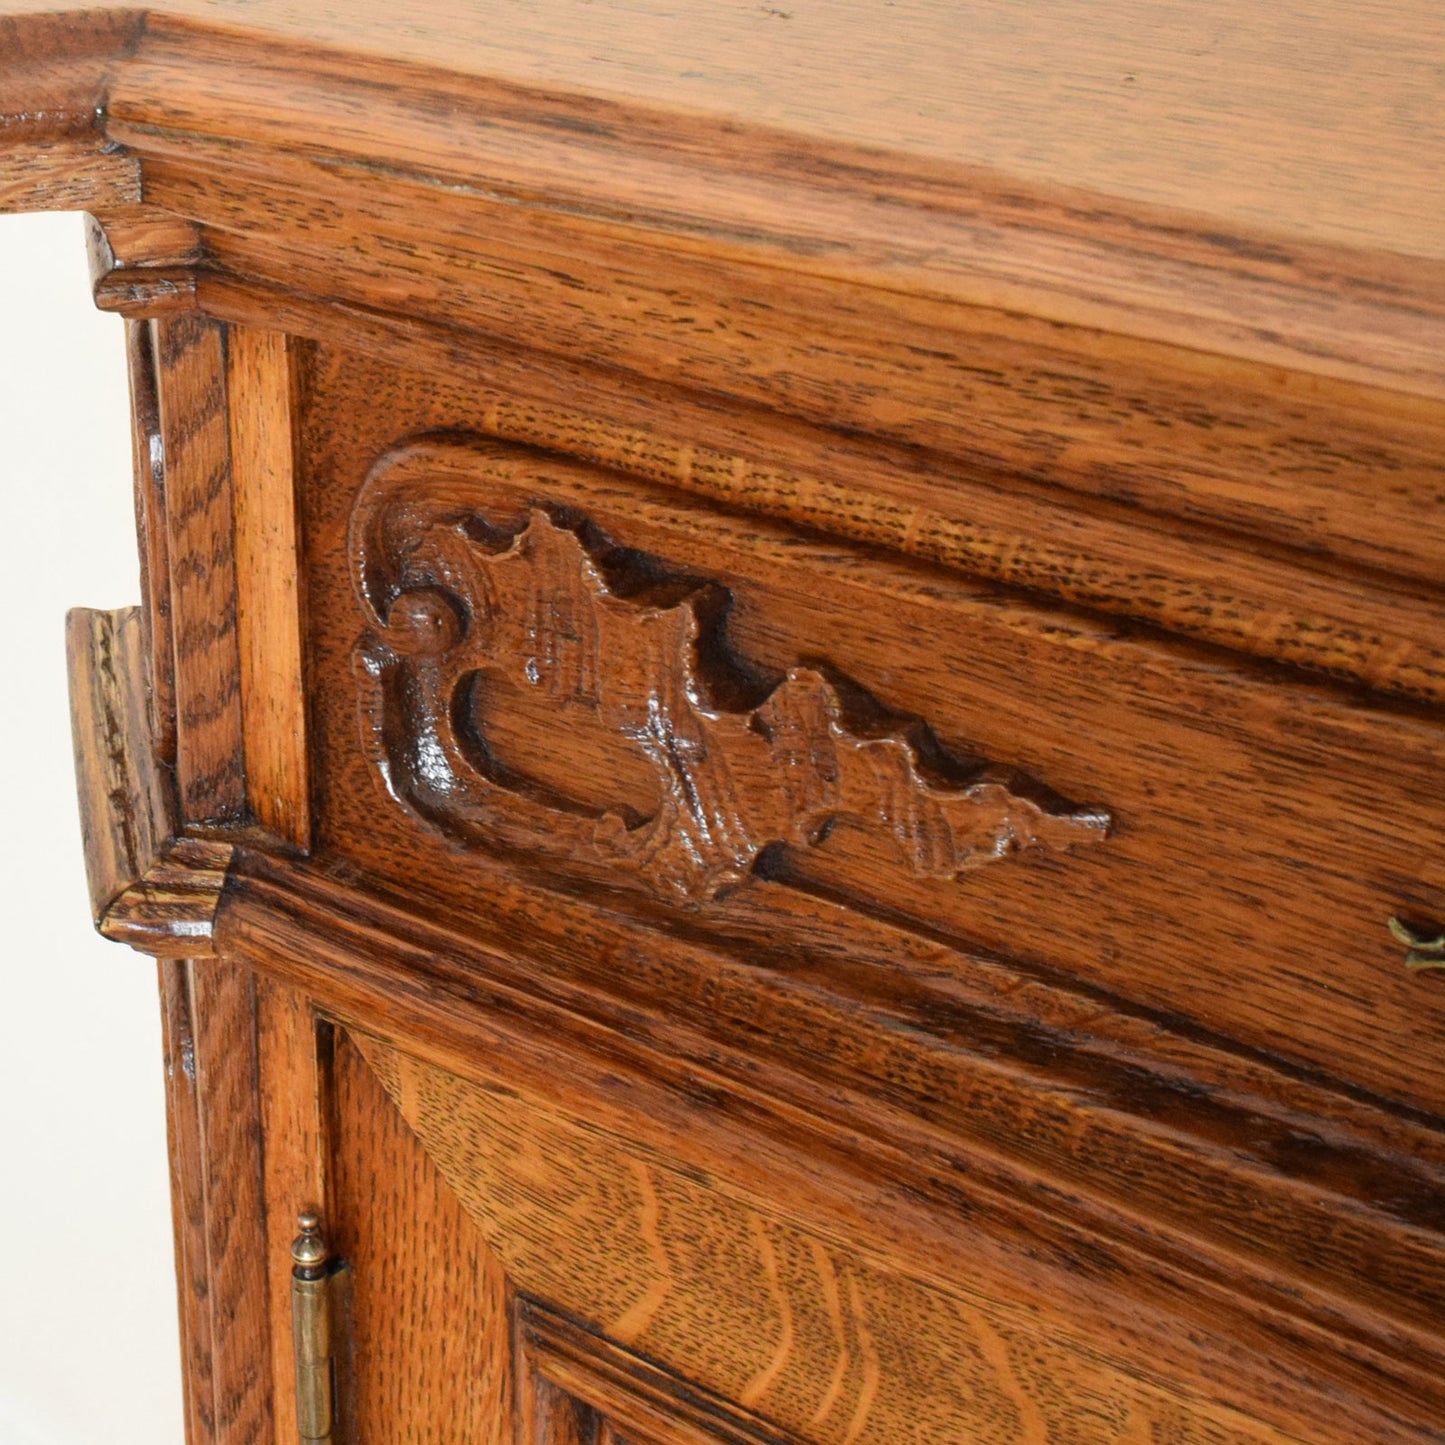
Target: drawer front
[692,713]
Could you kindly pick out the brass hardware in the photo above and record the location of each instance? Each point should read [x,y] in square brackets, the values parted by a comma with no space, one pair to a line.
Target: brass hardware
[1425,951]
[312,1274]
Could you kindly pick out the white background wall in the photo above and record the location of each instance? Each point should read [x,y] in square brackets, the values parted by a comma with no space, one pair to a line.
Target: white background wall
[88,1344]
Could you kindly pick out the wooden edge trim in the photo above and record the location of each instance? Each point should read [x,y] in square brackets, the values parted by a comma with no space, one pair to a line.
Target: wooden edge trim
[1324,621]
[55,73]
[460,1003]
[1182,282]
[640,1400]
[148,888]
[188,1200]
[142,261]
[259,382]
[145,291]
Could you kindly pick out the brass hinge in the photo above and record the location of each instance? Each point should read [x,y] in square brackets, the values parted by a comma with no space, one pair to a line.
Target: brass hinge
[314,1275]
[1426,946]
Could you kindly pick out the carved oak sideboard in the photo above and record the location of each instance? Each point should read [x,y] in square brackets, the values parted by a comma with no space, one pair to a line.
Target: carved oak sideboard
[784,744]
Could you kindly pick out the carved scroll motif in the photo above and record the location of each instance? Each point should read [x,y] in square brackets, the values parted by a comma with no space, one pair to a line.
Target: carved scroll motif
[652,751]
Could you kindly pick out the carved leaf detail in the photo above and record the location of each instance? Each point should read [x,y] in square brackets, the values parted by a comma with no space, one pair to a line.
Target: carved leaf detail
[713,765]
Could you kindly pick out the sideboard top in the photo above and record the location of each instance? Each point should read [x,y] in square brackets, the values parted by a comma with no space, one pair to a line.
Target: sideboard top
[1263,181]
[1317,120]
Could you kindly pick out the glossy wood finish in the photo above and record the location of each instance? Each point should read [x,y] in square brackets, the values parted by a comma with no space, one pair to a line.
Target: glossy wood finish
[792,661]
[1126,723]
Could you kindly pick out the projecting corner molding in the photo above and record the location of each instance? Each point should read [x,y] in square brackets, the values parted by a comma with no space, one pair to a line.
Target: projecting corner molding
[150,887]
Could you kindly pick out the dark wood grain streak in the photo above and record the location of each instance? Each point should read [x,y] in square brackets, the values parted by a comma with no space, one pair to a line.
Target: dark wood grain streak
[549,1415]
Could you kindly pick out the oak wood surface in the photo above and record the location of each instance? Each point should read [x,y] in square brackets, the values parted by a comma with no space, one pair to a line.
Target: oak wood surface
[800,1136]
[429,1336]
[1321,270]
[292,1067]
[1315,119]
[1267,599]
[268,605]
[827,1345]
[1192,429]
[615,481]
[1186,908]
[195,436]
[188,1168]
[149,887]
[219,1202]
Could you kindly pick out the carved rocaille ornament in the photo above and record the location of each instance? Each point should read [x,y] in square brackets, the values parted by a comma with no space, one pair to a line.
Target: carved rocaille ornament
[545,688]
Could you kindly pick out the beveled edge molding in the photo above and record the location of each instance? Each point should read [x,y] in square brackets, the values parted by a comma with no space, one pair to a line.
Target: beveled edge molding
[391,124]
[149,887]
[55,74]
[481,994]
[626,647]
[143,261]
[562,1364]
[127,76]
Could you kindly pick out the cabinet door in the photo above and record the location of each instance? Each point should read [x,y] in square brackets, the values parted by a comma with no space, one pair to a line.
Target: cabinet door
[521,1272]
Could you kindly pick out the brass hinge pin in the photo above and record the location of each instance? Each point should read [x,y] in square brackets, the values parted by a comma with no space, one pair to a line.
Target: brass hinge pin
[311,1276]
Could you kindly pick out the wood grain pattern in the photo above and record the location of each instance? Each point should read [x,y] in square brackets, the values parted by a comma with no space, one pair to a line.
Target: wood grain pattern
[1184,911]
[148,887]
[1182,427]
[142,261]
[584,1383]
[1308,476]
[429,1325]
[53,151]
[195,436]
[832,1143]
[268,606]
[1243,110]
[223,1023]
[686,764]
[756,1312]
[1175,257]
[1172,429]
[551,1416]
[292,1053]
[215,1134]
[188,1166]
[152,540]
[1067,378]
